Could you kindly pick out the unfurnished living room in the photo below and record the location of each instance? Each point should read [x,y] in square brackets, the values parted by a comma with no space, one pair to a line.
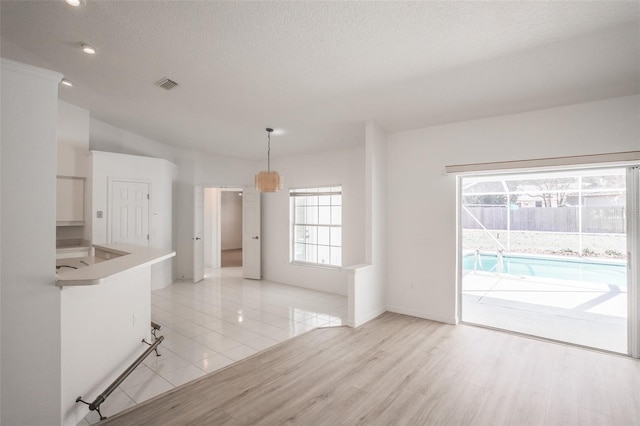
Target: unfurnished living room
[319,212]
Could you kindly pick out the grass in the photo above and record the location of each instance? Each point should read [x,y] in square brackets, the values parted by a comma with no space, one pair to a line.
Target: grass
[611,246]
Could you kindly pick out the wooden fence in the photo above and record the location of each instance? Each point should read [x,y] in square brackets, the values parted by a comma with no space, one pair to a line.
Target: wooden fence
[609,220]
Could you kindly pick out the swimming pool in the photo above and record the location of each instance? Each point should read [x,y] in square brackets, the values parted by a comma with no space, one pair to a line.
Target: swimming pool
[551,267]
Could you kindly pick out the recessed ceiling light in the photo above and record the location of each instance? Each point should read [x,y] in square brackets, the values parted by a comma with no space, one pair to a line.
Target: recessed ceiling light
[88,49]
[74,3]
[67,82]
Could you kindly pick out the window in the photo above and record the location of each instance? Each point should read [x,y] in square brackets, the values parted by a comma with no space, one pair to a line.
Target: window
[316,226]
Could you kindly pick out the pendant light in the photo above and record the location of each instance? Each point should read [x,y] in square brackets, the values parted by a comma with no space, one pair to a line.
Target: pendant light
[268,181]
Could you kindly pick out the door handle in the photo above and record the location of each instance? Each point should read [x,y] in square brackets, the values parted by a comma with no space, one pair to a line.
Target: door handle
[254,238]
[197,238]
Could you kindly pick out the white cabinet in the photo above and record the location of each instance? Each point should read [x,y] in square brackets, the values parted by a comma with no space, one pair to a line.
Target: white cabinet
[69,201]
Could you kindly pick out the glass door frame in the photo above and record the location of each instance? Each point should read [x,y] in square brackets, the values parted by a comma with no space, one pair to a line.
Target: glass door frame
[633,241]
[633,244]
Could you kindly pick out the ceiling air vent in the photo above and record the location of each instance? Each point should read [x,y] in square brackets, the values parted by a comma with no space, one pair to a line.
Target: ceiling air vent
[166,84]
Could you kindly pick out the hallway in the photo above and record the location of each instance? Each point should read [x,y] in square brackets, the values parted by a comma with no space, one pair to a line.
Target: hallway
[231,258]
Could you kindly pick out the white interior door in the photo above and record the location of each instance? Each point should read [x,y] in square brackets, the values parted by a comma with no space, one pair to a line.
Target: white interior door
[198,234]
[212,228]
[251,237]
[129,213]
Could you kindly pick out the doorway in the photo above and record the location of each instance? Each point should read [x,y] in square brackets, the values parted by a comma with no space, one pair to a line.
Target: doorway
[222,227]
[545,254]
[230,228]
[207,226]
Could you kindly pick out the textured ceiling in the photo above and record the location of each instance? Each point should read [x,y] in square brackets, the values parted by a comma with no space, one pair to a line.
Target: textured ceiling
[316,70]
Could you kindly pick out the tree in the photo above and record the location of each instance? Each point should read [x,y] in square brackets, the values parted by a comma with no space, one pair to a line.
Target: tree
[604,182]
[550,189]
[494,197]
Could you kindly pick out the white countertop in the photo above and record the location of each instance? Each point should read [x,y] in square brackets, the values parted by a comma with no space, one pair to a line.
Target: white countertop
[72,249]
[129,256]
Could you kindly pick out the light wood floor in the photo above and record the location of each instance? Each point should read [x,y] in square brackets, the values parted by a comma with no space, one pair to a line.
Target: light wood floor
[229,258]
[400,370]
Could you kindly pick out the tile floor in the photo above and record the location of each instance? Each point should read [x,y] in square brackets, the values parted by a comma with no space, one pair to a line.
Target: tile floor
[216,322]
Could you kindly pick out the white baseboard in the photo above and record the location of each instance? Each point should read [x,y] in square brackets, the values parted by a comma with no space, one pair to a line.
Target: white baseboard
[418,314]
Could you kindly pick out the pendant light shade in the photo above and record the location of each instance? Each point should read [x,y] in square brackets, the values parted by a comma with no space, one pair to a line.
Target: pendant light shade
[268,181]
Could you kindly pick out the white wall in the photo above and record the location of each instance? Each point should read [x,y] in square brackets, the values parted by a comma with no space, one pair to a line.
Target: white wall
[73,140]
[102,331]
[160,174]
[72,149]
[367,283]
[108,138]
[422,200]
[376,217]
[376,195]
[230,220]
[30,380]
[344,167]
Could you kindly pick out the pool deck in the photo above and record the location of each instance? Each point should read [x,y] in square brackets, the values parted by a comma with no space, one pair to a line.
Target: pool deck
[583,313]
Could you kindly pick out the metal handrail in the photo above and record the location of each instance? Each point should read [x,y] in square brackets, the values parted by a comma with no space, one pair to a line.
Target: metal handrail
[95,405]
[499,268]
[477,260]
[499,263]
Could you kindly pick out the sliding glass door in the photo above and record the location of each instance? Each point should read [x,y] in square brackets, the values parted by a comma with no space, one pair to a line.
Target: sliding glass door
[546,254]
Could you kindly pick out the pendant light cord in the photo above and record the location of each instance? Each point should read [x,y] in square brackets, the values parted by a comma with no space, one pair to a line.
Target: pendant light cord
[269,152]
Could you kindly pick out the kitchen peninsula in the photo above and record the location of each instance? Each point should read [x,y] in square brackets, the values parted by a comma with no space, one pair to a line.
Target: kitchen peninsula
[108,260]
[105,313]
